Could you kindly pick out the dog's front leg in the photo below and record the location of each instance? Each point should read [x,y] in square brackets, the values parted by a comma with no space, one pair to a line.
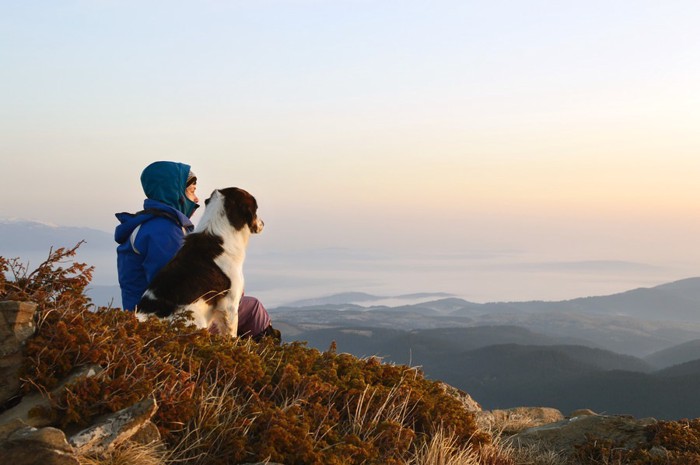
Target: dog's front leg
[228,314]
[232,317]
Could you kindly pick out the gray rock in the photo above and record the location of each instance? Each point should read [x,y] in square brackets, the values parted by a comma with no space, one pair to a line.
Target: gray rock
[7,429]
[147,434]
[582,412]
[17,319]
[514,420]
[112,430]
[16,326]
[469,404]
[30,446]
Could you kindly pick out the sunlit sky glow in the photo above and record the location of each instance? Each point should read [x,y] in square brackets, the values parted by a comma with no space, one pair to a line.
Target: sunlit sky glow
[566,131]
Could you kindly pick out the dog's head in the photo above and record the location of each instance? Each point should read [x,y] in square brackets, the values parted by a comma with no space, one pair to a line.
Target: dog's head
[239,206]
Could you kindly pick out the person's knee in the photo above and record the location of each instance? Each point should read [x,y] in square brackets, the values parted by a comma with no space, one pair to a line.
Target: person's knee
[251,303]
[253,317]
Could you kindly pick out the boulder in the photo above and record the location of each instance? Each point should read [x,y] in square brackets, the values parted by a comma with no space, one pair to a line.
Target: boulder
[513,420]
[16,326]
[111,430]
[148,434]
[26,445]
[582,412]
[17,318]
[469,404]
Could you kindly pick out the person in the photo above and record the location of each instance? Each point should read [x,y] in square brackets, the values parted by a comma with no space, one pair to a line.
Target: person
[151,237]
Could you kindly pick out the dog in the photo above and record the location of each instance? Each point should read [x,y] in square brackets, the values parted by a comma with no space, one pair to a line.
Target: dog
[205,277]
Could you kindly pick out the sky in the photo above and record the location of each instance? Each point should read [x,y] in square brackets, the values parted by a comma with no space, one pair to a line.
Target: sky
[500,150]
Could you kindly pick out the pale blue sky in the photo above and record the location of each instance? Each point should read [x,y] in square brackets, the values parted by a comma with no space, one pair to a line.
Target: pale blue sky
[565,131]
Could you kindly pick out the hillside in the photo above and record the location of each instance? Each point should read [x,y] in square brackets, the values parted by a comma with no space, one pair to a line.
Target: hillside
[420,347]
[569,378]
[687,369]
[675,355]
[679,301]
[621,392]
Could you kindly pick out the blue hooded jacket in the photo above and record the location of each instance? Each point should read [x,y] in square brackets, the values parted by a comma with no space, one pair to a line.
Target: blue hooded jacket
[150,238]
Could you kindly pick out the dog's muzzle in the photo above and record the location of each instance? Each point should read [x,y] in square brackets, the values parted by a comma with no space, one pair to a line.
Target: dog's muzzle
[258,226]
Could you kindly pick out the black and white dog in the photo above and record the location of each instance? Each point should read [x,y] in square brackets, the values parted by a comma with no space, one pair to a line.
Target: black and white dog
[206,275]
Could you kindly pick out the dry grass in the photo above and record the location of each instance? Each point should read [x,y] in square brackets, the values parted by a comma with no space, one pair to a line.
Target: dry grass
[129,453]
[502,424]
[205,439]
[372,409]
[537,455]
[442,449]
[501,450]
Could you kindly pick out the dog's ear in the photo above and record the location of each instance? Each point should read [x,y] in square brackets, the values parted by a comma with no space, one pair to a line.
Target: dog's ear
[241,207]
[248,208]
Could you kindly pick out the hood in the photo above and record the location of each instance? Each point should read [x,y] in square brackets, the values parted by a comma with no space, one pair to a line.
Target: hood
[128,222]
[165,181]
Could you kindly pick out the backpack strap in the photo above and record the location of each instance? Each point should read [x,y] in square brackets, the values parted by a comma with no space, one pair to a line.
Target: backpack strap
[132,240]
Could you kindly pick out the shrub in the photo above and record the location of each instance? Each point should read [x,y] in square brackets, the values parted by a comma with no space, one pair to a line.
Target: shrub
[50,285]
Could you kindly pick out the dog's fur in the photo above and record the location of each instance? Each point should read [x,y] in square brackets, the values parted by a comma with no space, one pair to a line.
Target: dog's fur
[206,275]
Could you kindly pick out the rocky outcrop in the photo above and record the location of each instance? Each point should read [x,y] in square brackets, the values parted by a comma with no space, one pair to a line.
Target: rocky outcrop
[16,326]
[563,436]
[21,444]
[513,420]
[112,430]
[468,403]
[29,438]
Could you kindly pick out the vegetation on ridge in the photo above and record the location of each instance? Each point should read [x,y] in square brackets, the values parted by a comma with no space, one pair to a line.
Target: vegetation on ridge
[225,400]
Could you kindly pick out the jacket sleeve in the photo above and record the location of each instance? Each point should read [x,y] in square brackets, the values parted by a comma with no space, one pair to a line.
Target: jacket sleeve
[158,243]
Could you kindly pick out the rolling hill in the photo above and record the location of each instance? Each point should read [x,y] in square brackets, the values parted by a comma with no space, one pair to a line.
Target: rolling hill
[582,353]
[682,353]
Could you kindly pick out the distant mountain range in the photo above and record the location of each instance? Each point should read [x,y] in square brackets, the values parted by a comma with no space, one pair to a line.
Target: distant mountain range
[637,352]
[30,241]
[638,322]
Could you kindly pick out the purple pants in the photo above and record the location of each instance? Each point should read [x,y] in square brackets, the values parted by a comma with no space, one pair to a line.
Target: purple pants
[253,319]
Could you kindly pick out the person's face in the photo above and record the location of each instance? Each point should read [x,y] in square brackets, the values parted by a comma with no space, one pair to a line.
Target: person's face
[190,193]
